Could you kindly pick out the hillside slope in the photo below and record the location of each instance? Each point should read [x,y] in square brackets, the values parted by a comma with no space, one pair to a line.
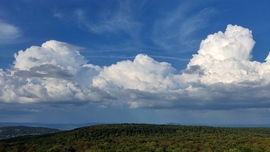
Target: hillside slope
[15,131]
[145,137]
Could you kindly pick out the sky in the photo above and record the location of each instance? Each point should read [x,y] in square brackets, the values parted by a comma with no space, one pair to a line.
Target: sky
[203,62]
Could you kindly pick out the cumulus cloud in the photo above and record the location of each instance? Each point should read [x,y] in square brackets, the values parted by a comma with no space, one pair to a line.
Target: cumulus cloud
[52,53]
[8,33]
[226,58]
[220,76]
[54,72]
[144,74]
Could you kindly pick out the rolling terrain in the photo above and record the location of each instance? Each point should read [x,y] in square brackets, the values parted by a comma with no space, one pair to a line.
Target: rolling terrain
[15,131]
[145,137]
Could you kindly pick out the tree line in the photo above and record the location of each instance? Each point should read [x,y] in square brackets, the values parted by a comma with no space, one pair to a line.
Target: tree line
[145,137]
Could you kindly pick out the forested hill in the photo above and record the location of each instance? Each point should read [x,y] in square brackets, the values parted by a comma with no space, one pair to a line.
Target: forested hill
[15,131]
[145,137]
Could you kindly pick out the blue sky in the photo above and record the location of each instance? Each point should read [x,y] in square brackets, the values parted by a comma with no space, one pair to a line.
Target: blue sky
[156,61]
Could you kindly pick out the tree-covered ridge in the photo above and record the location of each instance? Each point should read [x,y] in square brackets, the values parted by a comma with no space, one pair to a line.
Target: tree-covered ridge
[15,131]
[145,137]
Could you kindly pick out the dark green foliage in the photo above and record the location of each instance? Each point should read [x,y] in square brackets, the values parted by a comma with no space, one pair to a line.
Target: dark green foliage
[145,137]
[15,131]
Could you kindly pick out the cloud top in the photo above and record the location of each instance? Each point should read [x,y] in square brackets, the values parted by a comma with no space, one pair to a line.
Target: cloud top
[144,74]
[236,42]
[220,76]
[52,53]
[225,57]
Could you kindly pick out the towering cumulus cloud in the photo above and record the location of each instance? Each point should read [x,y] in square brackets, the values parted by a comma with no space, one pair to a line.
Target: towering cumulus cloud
[220,76]
[225,57]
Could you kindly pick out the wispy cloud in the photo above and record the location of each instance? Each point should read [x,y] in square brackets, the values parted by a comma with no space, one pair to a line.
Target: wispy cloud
[121,21]
[196,22]
[8,33]
[126,22]
[178,27]
[113,20]
[169,57]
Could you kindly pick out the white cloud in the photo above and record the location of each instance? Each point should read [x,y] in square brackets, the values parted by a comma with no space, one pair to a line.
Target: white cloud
[220,76]
[235,42]
[8,33]
[54,72]
[144,74]
[225,57]
[52,53]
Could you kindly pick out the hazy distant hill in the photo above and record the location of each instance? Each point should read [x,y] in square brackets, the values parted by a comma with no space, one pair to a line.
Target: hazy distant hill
[47,125]
[15,131]
[144,137]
